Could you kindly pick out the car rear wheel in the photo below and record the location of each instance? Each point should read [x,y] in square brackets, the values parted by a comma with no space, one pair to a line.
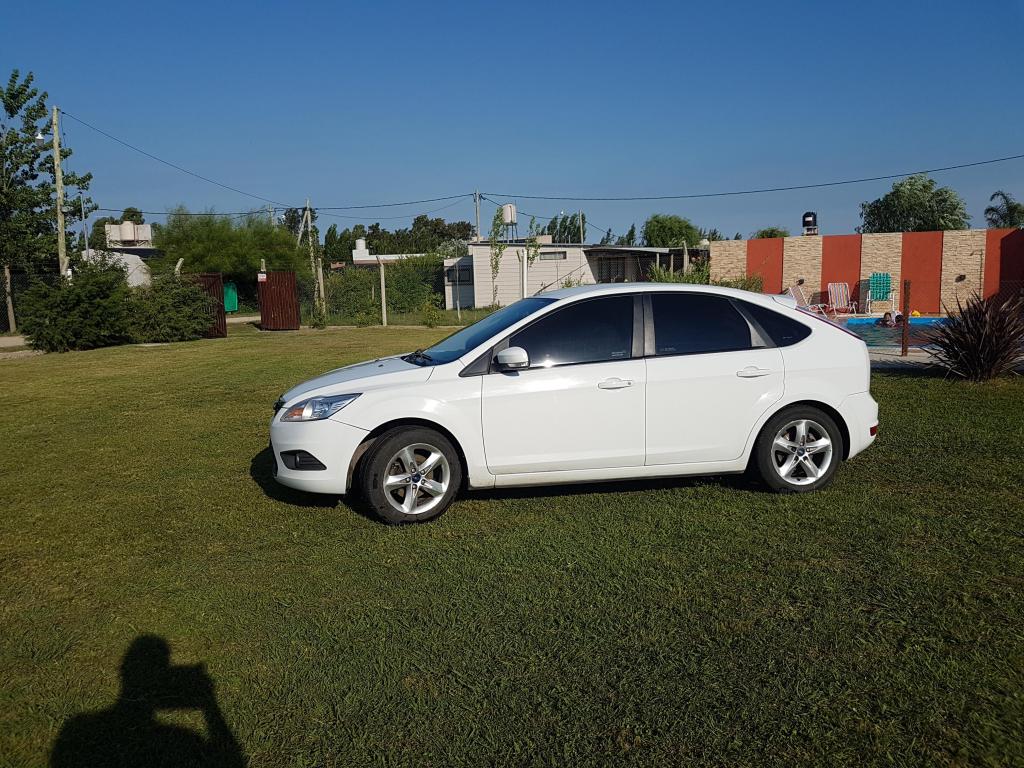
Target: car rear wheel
[799,450]
[411,474]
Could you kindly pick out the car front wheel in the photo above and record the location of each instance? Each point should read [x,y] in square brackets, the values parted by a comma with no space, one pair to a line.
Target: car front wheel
[411,474]
[799,450]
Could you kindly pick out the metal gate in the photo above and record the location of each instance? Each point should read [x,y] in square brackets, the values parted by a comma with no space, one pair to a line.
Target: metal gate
[279,301]
[213,284]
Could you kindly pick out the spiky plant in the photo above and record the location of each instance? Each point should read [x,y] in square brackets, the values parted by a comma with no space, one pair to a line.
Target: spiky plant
[984,338]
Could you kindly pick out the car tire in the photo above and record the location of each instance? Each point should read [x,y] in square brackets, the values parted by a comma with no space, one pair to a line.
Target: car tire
[798,450]
[410,475]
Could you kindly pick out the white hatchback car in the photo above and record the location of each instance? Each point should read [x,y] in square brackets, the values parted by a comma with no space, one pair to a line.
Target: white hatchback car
[604,382]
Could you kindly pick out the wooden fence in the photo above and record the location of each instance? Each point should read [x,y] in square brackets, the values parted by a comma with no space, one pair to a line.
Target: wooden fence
[279,302]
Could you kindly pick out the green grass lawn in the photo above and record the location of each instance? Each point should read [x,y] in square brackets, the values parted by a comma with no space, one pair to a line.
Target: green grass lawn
[664,623]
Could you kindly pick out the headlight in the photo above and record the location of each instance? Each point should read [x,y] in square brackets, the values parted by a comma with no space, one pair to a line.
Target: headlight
[317,408]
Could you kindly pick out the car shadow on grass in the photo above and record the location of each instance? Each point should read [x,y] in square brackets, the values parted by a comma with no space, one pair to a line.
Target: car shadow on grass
[739,482]
[134,730]
[261,470]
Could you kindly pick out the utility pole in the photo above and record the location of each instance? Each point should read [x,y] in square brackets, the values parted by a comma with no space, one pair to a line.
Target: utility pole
[58,175]
[582,240]
[85,230]
[476,204]
[320,300]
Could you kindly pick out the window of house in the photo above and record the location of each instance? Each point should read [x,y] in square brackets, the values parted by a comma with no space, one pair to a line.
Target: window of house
[552,255]
[589,331]
[690,323]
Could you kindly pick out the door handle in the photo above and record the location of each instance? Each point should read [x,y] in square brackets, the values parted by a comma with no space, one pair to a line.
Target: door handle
[752,372]
[615,383]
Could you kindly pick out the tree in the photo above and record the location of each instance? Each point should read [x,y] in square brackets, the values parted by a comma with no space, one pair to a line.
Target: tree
[710,234]
[566,228]
[1006,213]
[914,204]
[669,231]
[498,247]
[133,215]
[607,238]
[769,232]
[98,233]
[629,238]
[224,244]
[28,217]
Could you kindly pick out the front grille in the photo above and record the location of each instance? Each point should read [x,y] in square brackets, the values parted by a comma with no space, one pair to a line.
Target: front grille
[301,460]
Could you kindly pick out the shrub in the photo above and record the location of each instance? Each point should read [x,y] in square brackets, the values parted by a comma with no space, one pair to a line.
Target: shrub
[982,339]
[86,311]
[433,316]
[171,309]
[351,295]
[412,281]
[700,274]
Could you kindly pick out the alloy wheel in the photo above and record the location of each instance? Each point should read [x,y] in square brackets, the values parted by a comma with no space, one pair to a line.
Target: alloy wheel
[417,478]
[801,452]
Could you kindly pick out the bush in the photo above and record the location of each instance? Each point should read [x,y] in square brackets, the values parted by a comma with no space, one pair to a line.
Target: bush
[982,339]
[87,311]
[352,296]
[171,309]
[412,281]
[433,316]
[700,274]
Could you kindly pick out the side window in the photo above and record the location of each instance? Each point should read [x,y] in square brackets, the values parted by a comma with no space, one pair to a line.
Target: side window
[587,331]
[782,330]
[690,323]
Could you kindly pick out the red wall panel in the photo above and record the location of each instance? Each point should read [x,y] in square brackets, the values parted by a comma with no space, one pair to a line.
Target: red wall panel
[764,258]
[922,266]
[1004,261]
[840,263]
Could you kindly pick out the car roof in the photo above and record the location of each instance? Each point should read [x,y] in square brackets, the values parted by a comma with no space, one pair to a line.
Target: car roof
[611,289]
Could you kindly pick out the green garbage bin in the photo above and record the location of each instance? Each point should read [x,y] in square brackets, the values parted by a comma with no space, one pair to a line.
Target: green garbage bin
[230,297]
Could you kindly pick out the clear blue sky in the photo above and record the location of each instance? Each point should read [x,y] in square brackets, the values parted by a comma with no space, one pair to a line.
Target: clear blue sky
[366,102]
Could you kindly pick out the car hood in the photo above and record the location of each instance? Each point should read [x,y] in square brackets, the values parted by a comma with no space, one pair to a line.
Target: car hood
[356,378]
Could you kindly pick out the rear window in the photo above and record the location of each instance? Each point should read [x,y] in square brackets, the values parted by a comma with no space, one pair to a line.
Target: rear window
[783,330]
[693,323]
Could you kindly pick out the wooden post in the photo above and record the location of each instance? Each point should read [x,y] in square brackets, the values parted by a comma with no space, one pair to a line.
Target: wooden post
[58,177]
[906,319]
[12,326]
[383,295]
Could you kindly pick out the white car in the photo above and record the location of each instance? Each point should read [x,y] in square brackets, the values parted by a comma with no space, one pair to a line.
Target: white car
[603,382]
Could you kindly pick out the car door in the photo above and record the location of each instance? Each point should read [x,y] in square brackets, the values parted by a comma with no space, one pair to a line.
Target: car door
[710,377]
[580,404]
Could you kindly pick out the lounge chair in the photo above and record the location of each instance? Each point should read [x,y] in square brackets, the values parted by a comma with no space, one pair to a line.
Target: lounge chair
[797,292]
[880,291]
[839,301]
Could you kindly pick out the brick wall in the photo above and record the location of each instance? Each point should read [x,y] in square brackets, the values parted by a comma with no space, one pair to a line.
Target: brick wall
[728,259]
[963,254]
[880,253]
[801,259]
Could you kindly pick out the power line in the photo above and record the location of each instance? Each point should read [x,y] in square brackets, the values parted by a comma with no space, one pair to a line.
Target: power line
[172,165]
[764,189]
[586,223]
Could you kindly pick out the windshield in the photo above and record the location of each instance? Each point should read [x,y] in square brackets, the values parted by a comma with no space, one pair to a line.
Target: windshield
[472,336]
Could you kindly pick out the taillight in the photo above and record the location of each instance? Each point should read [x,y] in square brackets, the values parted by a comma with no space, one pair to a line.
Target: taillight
[825,320]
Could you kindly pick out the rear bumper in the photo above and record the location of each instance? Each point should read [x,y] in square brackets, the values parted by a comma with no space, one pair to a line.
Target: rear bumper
[860,412]
[331,442]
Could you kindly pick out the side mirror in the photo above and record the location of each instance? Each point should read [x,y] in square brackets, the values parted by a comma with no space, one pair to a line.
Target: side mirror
[512,359]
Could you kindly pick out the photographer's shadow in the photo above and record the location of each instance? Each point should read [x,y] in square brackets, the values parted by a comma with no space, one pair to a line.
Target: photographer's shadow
[129,732]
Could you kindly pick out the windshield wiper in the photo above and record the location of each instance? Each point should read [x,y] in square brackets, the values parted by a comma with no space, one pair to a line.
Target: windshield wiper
[419,354]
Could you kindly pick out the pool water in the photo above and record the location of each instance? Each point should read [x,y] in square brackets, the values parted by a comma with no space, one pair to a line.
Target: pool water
[878,336]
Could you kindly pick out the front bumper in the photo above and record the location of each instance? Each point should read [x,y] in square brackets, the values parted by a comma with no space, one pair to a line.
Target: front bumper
[861,414]
[333,443]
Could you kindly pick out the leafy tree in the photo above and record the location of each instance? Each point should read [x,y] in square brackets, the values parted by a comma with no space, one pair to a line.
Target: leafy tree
[769,232]
[498,247]
[228,245]
[710,234]
[607,239]
[98,233]
[1006,213]
[629,238]
[914,204]
[669,231]
[133,215]
[28,217]
[566,228]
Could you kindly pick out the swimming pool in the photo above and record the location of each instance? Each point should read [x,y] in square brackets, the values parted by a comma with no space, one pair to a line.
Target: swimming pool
[875,335]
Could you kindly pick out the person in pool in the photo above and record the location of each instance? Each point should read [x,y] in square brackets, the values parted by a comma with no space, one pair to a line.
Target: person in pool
[886,320]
